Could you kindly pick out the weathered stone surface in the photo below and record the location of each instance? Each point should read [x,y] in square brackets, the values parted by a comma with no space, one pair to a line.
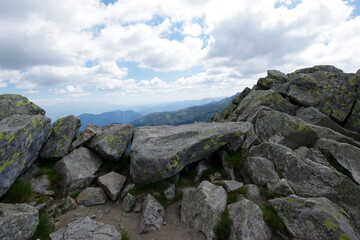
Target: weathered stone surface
[151,216]
[111,142]
[274,78]
[313,218]
[169,192]
[332,92]
[112,183]
[328,133]
[11,104]
[85,136]
[201,208]
[230,185]
[64,131]
[277,127]
[162,152]
[229,170]
[201,168]
[70,204]
[279,188]
[253,192]
[313,154]
[353,121]
[86,228]
[77,169]
[317,68]
[248,222]
[128,202]
[127,189]
[21,138]
[17,221]
[41,185]
[358,72]
[346,155]
[276,74]
[314,116]
[259,171]
[310,179]
[252,103]
[92,196]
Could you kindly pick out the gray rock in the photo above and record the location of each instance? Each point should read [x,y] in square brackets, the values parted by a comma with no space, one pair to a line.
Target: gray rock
[92,196]
[310,179]
[41,185]
[279,187]
[17,221]
[358,72]
[64,131]
[86,228]
[258,170]
[312,154]
[230,185]
[346,155]
[229,170]
[21,138]
[111,142]
[313,218]
[112,183]
[201,168]
[248,222]
[161,152]
[85,136]
[353,120]
[70,204]
[77,169]
[317,68]
[127,189]
[128,202]
[11,104]
[277,127]
[314,116]
[169,192]
[276,74]
[201,208]
[253,192]
[151,216]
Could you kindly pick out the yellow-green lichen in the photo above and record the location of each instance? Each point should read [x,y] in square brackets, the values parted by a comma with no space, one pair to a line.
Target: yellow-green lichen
[175,163]
[301,127]
[352,80]
[6,164]
[22,102]
[344,236]
[330,225]
[111,139]
[7,136]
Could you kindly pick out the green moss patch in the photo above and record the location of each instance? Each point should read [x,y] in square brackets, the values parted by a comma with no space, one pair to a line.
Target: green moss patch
[19,192]
[223,228]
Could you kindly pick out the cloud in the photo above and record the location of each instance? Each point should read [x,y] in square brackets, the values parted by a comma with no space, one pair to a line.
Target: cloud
[72,91]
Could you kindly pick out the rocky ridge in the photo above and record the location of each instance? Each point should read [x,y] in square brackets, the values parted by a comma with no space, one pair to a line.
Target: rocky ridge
[280,162]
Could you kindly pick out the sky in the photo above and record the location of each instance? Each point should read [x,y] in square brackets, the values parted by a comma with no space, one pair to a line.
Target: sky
[131,52]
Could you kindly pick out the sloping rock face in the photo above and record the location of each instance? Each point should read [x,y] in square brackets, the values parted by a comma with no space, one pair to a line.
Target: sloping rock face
[77,169]
[64,131]
[111,141]
[112,183]
[86,228]
[17,221]
[151,216]
[162,152]
[21,138]
[15,104]
[201,208]
[92,196]
[314,218]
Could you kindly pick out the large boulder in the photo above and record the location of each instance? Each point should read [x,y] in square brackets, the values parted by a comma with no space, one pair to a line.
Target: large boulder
[311,179]
[313,218]
[86,228]
[112,183]
[17,221]
[248,222]
[16,104]
[353,121]
[345,155]
[161,152]
[151,216]
[277,127]
[77,169]
[64,131]
[332,92]
[259,171]
[111,141]
[21,138]
[201,208]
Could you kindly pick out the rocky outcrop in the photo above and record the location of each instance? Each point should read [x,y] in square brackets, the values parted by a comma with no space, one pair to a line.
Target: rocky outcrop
[21,138]
[151,216]
[17,221]
[259,171]
[86,228]
[111,141]
[112,183]
[313,218]
[161,152]
[248,222]
[64,131]
[77,169]
[16,104]
[201,208]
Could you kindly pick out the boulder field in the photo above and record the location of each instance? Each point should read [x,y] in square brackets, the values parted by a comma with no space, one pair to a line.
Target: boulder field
[282,161]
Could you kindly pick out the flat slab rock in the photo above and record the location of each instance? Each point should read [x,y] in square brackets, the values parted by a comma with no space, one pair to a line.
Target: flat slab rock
[162,152]
[86,228]
[112,184]
[92,196]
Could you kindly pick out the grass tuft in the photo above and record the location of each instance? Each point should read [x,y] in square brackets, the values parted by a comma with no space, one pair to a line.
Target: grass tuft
[235,159]
[45,227]
[223,228]
[19,192]
[271,217]
[125,235]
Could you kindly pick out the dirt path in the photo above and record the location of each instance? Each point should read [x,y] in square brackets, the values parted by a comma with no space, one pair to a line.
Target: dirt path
[111,213]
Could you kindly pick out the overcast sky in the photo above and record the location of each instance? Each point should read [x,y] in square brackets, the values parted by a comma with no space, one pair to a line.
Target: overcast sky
[142,51]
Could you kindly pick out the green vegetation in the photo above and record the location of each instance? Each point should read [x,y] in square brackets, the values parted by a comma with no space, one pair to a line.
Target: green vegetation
[45,227]
[271,217]
[223,228]
[125,235]
[148,188]
[187,178]
[233,197]
[74,195]
[164,202]
[121,167]
[19,192]
[53,176]
[235,159]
